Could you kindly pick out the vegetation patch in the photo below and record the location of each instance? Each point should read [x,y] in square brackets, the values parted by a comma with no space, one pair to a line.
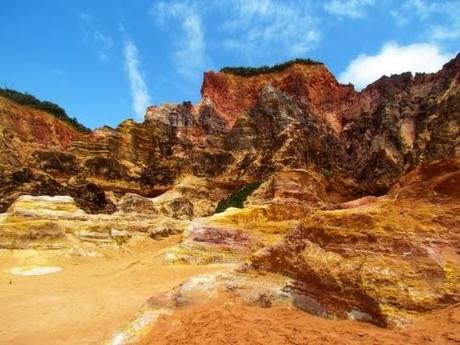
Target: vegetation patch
[238,198]
[252,71]
[327,173]
[51,108]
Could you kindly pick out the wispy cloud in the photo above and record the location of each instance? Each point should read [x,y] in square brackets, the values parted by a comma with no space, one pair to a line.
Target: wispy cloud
[101,42]
[399,17]
[86,17]
[190,51]
[440,17]
[421,8]
[104,40]
[268,30]
[261,27]
[139,90]
[348,8]
[393,59]
[450,29]
[104,44]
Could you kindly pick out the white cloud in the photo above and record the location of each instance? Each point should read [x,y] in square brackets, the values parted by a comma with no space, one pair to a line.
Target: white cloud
[348,8]
[190,54]
[260,27]
[393,59]
[139,90]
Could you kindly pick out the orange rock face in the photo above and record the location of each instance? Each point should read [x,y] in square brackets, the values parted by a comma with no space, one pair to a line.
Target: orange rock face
[312,85]
[345,204]
[35,126]
[246,127]
[358,256]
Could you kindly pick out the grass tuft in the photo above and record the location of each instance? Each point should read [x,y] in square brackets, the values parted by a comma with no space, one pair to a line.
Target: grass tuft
[238,198]
[252,71]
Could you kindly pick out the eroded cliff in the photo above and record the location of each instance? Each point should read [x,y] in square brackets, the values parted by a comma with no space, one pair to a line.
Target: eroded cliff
[245,128]
[351,198]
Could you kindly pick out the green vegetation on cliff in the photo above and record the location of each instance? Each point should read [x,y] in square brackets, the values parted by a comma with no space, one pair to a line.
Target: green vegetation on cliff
[31,101]
[252,71]
[238,198]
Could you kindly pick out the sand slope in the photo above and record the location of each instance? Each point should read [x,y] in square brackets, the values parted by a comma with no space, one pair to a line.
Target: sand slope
[89,299]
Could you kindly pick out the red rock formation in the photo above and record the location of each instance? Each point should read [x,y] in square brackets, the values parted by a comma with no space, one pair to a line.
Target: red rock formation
[35,126]
[245,128]
[313,144]
[312,85]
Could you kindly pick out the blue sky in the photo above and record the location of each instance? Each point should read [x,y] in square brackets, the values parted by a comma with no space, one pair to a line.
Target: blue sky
[105,61]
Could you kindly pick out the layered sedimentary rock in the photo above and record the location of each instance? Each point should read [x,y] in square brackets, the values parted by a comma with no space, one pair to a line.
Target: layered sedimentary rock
[356,214]
[389,259]
[47,222]
[245,128]
[394,257]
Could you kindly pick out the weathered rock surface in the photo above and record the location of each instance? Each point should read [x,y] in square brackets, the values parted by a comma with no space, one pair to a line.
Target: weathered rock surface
[356,213]
[394,257]
[245,128]
[390,259]
[45,222]
[253,289]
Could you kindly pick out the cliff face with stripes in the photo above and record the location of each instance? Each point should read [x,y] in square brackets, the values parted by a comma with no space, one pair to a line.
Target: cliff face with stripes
[341,203]
[245,128]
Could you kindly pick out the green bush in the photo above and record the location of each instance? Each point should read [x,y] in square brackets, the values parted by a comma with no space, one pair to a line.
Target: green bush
[238,198]
[31,101]
[327,173]
[251,71]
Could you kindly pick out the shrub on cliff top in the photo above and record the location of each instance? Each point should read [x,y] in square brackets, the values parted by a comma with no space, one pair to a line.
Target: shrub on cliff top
[251,71]
[30,101]
[238,198]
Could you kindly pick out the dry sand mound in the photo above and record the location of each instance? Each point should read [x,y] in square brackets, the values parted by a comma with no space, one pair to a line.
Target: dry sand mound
[229,321]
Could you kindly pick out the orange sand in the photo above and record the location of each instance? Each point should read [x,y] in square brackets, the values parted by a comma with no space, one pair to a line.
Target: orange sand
[89,300]
[230,322]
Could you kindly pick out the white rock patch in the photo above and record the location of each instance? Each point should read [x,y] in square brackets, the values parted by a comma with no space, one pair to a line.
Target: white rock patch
[36,271]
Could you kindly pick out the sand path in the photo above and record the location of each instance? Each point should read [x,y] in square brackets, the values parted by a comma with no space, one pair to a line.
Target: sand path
[89,299]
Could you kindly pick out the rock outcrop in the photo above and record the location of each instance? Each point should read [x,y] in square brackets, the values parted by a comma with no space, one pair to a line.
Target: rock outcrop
[357,209]
[245,128]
